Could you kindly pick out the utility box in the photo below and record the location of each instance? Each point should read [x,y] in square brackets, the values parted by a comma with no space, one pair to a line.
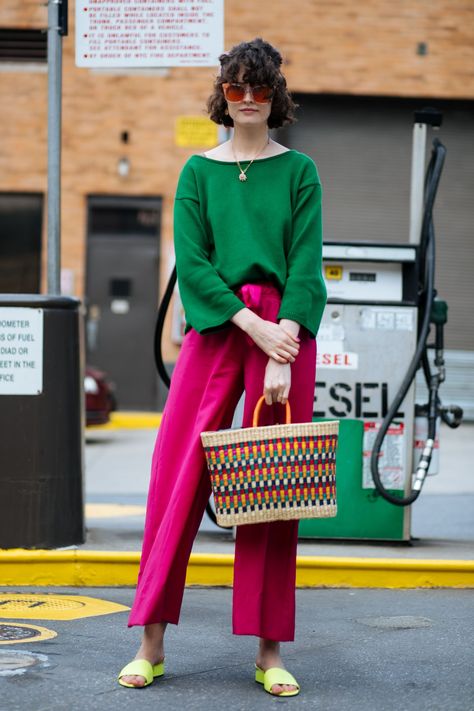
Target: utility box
[41,421]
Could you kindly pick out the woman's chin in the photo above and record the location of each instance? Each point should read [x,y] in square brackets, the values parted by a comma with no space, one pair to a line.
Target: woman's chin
[249,120]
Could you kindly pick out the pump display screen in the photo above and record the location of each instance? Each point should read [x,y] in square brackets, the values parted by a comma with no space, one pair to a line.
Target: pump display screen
[362,276]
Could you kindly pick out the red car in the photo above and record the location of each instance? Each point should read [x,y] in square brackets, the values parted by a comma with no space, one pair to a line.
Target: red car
[100,397]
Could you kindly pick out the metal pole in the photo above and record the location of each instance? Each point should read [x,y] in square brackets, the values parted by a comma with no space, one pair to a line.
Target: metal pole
[54,148]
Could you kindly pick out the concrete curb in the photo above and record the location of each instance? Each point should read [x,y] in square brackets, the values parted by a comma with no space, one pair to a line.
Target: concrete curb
[114,568]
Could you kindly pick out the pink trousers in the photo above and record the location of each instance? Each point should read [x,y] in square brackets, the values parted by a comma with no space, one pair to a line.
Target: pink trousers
[211,373]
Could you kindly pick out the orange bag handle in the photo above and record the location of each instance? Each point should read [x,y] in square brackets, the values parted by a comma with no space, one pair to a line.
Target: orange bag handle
[258,407]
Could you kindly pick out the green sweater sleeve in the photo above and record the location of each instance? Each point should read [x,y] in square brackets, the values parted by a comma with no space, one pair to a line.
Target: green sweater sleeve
[305,294]
[207,300]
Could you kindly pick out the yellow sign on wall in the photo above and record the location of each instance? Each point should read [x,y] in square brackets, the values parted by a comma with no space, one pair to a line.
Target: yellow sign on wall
[195,131]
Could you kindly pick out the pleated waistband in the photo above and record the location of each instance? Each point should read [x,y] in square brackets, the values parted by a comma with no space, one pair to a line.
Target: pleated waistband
[252,294]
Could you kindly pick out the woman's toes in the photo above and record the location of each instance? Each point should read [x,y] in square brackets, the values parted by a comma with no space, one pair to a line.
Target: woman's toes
[278,688]
[134,679]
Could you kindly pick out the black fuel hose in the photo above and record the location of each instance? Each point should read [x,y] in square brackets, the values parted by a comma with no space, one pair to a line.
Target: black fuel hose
[160,320]
[426,294]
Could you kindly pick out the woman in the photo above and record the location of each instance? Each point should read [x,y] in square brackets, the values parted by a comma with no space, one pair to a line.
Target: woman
[247,232]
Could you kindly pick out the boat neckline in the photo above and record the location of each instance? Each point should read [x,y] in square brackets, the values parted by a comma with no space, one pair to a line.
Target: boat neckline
[246,160]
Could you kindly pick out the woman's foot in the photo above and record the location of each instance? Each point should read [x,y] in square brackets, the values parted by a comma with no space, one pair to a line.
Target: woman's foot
[151,649]
[269,656]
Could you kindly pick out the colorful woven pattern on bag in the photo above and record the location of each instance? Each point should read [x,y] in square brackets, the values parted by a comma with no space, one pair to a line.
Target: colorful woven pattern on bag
[287,472]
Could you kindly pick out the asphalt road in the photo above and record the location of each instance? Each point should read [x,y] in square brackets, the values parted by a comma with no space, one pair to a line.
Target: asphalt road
[355,650]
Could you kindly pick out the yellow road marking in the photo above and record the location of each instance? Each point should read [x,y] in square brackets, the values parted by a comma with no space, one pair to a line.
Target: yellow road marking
[130,421]
[31,606]
[113,510]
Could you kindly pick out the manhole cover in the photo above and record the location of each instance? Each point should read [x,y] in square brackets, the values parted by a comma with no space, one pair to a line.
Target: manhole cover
[18,632]
[15,603]
[14,663]
[401,622]
[54,606]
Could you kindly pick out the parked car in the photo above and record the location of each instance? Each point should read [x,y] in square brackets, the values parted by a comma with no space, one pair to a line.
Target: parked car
[100,396]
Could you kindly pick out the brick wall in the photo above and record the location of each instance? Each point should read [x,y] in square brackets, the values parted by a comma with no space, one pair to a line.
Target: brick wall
[329,46]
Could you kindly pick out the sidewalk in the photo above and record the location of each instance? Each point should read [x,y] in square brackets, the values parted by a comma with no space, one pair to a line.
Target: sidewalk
[442,518]
[441,552]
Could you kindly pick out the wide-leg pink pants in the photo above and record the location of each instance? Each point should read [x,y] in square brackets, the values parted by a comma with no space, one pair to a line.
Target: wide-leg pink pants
[210,374]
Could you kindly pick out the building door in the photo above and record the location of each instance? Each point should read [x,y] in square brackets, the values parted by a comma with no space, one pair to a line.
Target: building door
[123,248]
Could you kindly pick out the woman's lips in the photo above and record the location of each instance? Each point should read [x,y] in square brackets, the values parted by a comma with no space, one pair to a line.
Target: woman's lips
[249,111]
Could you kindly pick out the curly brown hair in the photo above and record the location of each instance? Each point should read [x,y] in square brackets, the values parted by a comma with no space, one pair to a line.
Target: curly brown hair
[261,62]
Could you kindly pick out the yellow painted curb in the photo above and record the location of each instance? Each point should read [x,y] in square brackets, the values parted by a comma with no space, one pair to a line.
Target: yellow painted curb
[130,421]
[112,568]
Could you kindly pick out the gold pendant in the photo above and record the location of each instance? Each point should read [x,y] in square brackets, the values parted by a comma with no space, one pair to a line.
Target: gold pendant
[242,177]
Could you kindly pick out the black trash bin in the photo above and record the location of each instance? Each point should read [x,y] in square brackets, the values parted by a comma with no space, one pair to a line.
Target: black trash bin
[41,421]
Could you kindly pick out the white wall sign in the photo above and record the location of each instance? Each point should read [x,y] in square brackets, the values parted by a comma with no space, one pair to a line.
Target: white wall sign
[149,33]
[21,351]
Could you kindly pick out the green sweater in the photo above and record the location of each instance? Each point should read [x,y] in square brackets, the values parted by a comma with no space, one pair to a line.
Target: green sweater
[228,232]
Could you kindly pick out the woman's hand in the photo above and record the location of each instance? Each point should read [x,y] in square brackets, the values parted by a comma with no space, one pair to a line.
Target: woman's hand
[277,382]
[279,341]
[274,340]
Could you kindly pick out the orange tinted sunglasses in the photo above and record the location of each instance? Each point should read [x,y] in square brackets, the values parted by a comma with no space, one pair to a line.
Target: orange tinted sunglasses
[235,92]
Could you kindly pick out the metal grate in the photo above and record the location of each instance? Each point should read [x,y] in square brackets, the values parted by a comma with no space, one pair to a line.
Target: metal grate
[15,632]
[23,45]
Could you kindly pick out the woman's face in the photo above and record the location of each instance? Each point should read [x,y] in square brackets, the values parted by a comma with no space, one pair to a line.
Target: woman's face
[248,112]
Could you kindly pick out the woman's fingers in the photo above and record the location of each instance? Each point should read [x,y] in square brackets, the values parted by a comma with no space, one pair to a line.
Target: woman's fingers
[275,341]
[293,338]
[277,382]
[287,353]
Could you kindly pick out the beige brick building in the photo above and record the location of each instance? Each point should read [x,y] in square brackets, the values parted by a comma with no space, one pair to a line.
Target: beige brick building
[343,60]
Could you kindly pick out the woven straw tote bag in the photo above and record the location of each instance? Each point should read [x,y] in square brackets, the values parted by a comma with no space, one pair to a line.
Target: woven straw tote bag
[273,472]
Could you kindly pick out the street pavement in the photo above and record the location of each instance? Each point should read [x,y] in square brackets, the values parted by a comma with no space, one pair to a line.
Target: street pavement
[355,650]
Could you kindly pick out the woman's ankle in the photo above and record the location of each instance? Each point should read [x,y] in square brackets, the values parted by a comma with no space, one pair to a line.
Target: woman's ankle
[152,644]
[268,646]
[268,653]
[155,632]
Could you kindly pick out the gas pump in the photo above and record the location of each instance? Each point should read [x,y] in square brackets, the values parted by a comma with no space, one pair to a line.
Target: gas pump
[372,340]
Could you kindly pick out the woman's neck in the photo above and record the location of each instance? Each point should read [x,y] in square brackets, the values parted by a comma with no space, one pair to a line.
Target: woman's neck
[248,142]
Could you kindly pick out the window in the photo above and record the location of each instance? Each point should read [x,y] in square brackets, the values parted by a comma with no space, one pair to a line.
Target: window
[23,45]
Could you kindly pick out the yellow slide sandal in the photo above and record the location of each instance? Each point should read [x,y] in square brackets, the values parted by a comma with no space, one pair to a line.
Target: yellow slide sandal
[143,668]
[276,675]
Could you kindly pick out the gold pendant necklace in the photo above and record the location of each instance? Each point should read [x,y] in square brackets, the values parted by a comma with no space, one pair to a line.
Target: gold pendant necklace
[242,174]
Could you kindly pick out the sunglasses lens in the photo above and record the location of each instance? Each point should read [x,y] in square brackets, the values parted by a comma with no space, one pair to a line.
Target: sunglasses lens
[234,92]
[262,94]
